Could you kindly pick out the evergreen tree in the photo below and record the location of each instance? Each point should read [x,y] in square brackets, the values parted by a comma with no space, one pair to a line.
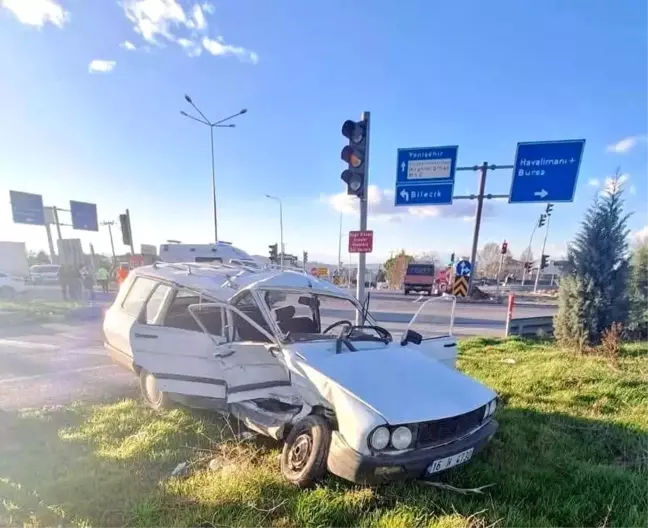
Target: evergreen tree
[638,323]
[595,293]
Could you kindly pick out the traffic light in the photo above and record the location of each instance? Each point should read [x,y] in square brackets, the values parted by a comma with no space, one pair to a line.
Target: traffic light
[274,253]
[504,247]
[305,257]
[549,209]
[544,261]
[452,257]
[354,154]
[127,236]
[542,220]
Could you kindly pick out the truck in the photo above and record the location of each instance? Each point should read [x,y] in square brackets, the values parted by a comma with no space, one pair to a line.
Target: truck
[420,278]
[13,259]
[220,252]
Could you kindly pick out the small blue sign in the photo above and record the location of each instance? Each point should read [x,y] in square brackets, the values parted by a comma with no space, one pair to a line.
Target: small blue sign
[425,176]
[546,171]
[27,208]
[463,268]
[84,216]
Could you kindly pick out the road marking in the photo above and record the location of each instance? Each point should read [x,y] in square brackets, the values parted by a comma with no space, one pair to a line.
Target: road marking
[28,344]
[420,298]
[49,374]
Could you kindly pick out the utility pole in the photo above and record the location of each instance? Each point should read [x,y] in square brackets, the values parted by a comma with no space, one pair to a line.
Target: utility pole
[57,223]
[112,244]
[478,214]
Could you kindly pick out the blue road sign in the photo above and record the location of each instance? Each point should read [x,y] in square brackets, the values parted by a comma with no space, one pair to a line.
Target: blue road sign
[546,171]
[84,216]
[425,176]
[463,268]
[27,208]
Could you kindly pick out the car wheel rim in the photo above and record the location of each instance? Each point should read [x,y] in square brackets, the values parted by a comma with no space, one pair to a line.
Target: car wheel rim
[300,452]
[152,392]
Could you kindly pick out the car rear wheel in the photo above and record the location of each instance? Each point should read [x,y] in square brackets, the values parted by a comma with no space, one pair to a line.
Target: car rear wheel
[406,292]
[303,460]
[153,396]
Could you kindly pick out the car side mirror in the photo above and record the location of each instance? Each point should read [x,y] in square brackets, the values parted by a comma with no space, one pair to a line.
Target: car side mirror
[412,337]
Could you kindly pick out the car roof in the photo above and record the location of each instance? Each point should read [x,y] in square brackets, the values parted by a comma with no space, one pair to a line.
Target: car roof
[222,281]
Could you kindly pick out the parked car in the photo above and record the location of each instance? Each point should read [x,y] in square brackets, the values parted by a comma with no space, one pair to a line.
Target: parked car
[44,273]
[11,285]
[278,350]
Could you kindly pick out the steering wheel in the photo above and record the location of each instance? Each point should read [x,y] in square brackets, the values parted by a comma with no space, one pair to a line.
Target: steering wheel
[337,323]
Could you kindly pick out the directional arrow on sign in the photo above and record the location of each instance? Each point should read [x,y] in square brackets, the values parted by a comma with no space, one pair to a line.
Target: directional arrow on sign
[404,194]
[541,193]
[403,167]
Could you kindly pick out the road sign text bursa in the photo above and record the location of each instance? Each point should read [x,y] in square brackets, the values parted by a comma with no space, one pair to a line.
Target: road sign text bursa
[425,176]
[546,171]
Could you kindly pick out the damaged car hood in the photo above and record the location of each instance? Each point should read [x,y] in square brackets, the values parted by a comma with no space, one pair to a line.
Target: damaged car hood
[400,384]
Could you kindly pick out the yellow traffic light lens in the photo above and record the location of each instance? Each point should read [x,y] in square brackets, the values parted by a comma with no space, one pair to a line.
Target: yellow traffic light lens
[355,161]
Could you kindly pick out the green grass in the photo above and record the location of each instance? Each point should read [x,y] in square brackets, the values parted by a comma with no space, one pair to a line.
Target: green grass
[572,450]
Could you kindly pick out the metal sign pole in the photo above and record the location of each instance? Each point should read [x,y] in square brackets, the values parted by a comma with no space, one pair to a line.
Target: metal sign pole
[362,257]
[50,243]
[478,215]
[56,221]
[544,243]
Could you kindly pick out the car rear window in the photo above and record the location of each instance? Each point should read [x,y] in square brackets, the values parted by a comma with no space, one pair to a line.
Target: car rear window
[420,269]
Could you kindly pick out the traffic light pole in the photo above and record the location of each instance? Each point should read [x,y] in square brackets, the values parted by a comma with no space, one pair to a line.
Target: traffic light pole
[544,243]
[535,226]
[130,228]
[362,257]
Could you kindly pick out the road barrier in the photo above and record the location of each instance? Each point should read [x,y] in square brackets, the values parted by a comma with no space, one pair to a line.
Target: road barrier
[531,326]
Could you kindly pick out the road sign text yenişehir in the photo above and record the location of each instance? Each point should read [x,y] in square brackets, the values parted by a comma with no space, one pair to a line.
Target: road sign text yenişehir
[425,176]
[27,208]
[360,241]
[546,171]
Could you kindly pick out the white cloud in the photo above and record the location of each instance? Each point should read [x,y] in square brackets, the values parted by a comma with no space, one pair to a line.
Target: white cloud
[381,205]
[632,189]
[192,48]
[593,182]
[609,184]
[155,18]
[641,235]
[127,44]
[199,18]
[160,21]
[37,12]
[101,66]
[218,47]
[626,144]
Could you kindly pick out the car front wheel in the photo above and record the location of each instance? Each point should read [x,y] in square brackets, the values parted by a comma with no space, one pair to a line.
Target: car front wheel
[153,396]
[303,460]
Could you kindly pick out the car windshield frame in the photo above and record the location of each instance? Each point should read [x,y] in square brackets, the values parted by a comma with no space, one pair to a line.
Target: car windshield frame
[292,337]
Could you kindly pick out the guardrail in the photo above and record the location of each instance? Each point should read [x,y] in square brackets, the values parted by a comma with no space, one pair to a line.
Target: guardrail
[531,326]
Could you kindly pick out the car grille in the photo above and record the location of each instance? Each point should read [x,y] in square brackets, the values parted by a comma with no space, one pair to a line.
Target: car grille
[448,429]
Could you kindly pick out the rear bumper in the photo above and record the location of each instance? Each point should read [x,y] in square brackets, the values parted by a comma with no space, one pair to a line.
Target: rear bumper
[351,465]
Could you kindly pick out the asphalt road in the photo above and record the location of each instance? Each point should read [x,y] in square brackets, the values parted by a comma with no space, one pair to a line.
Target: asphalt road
[55,364]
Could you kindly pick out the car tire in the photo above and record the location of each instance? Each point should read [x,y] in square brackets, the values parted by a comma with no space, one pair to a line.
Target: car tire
[406,292]
[304,455]
[153,397]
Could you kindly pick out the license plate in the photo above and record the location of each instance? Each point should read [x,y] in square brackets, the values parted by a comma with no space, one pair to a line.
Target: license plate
[445,463]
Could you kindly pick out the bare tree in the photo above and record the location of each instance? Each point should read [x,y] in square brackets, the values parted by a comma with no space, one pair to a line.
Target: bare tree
[527,255]
[488,260]
[428,257]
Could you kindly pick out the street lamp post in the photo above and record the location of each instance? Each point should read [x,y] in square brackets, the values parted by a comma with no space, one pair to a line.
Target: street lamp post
[111,223]
[212,125]
[281,242]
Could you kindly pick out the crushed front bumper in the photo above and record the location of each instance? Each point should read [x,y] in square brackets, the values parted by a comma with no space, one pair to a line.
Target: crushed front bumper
[363,469]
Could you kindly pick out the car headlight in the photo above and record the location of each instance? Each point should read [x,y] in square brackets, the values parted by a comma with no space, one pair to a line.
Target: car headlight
[401,437]
[379,438]
[489,408]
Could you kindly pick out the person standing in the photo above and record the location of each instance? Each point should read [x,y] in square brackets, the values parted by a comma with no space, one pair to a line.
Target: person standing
[64,278]
[102,278]
[75,283]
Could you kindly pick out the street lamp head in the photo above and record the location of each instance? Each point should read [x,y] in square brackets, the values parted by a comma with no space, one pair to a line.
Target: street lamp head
[183,113]
[188,99]
[244,111]
[231,126]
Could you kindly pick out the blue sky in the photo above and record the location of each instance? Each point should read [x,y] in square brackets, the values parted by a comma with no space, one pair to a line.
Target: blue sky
[481,75]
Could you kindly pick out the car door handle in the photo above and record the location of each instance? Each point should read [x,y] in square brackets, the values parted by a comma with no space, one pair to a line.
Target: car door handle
[146,336]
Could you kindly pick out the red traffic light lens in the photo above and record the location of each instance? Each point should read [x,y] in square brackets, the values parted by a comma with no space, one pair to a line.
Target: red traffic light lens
[352,130]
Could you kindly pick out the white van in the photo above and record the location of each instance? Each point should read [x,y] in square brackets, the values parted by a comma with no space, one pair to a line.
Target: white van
[220,252]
